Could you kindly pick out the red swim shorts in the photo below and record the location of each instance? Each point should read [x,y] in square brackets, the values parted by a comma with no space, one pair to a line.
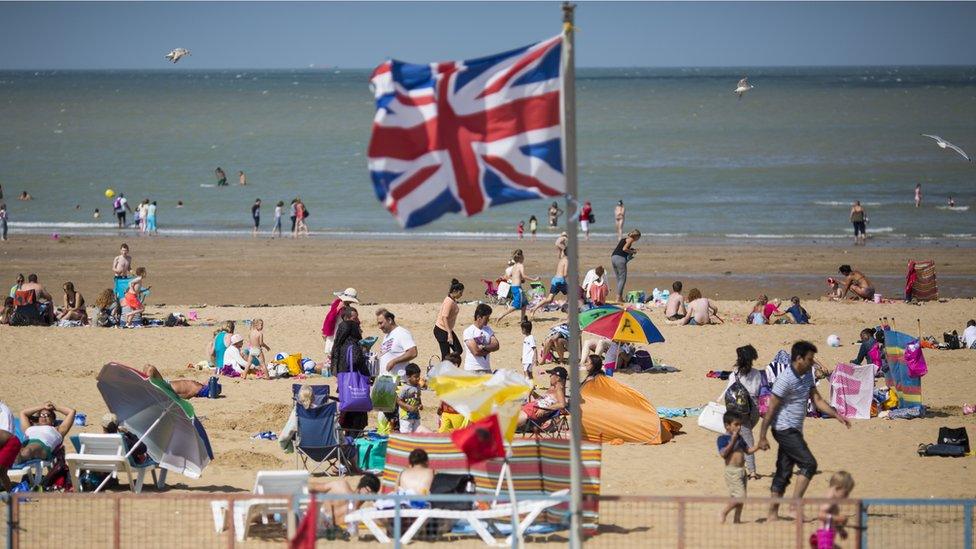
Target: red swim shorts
[9,451]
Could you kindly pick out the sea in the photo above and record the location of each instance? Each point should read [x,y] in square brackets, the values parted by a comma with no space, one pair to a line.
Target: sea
[688,158]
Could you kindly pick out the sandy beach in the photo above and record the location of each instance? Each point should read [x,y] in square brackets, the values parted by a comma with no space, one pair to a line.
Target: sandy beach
[284,281]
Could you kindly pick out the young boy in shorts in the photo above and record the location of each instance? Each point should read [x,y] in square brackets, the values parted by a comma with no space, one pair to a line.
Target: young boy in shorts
[409,401]
[733,450]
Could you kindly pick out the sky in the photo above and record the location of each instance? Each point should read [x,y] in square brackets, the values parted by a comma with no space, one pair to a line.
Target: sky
[235,35]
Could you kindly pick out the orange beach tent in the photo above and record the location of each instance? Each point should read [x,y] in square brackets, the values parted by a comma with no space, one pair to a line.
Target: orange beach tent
[612,410]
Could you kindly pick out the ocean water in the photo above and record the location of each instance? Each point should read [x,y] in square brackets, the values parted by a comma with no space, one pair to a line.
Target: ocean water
[687,157]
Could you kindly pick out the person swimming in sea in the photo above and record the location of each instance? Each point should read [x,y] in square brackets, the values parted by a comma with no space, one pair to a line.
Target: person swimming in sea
[96,214]
[952,203]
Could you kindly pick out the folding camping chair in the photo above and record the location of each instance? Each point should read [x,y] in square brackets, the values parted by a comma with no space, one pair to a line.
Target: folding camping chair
[320,443]
[491,291]
[320,394]
[551,425]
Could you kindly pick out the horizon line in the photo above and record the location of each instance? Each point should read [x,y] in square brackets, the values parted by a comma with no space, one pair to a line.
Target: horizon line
[336,67]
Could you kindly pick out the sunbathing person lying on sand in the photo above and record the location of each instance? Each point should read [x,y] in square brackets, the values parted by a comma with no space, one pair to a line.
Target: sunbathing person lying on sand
[185,388]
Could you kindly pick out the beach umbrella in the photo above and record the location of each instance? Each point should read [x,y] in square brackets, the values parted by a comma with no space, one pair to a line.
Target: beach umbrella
[476,395]
[164,422]
[621,325]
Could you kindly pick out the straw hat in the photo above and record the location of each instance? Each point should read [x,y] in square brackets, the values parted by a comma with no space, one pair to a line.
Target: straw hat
[349,295]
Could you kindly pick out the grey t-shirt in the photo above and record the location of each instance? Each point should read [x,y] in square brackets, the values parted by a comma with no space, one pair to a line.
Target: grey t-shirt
[794,392]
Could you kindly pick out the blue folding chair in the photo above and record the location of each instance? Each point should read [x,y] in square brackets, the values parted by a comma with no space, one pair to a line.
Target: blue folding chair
[318,443]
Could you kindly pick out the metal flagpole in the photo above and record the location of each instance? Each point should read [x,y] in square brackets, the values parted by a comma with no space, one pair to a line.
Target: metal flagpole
[572,282]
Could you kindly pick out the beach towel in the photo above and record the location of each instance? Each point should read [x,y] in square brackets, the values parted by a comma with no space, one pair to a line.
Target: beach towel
[537,465]
[779,363]
[851,390]
[908,388]
[920,282]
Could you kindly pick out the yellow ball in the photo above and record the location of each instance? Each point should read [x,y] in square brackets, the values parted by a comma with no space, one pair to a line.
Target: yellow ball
[109,193]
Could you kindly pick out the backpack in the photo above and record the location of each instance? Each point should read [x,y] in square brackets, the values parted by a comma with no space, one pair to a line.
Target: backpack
[737,400]
[591,218]
[952,340]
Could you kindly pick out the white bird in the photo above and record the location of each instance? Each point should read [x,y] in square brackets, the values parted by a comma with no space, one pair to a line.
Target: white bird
[177,54]
[943,144]
[742,87]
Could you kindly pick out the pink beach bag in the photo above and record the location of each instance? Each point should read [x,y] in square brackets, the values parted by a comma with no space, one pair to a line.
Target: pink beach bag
[915,360]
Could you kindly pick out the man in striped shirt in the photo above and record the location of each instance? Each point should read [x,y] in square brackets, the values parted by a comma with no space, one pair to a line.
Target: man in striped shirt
[793,387]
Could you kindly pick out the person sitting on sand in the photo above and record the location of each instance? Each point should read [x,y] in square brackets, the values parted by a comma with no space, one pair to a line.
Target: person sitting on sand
[44,300]
[857,283]
[701,310]
[834,291]
[218,345]
[334,510]
[593,366]
[595,286]
[184,388]
[7,311]
[74,305]
[417,478]
[107,309]
[553,399]
[234,358]
[675,309]
[773,315]
[18,284]
[43,436]
[756,315]
[799,314]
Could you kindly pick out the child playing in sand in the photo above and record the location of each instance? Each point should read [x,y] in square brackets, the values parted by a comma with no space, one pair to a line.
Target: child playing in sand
[841,486]
[257,346]
[409,401]
[799,314]
[835,290]
[733,450]
[530,354]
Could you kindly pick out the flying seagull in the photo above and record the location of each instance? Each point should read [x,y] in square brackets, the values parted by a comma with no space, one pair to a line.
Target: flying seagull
[177,54]
[943,144]
[742,87]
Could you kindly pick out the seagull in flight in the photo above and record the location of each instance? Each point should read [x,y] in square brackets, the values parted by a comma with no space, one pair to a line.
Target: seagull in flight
[943,144]
[742,87]
[177,54]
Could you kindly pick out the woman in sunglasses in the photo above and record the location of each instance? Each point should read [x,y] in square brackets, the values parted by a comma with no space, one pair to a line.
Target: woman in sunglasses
[43,436]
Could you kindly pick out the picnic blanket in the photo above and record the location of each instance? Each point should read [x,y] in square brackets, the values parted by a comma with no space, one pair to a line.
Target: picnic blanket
[537,466]
[851,390]
[908,389]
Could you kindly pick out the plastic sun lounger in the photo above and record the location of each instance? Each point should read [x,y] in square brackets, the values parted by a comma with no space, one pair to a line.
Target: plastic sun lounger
[476,518]
[267,483]
[106,453]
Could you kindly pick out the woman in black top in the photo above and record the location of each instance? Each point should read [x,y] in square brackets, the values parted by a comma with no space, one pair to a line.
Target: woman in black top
[623,253]
[348,356]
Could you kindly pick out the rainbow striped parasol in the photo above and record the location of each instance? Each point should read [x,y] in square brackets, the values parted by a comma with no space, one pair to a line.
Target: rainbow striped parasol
[621,325]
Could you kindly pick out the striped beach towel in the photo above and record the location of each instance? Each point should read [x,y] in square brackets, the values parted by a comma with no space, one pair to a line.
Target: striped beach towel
[908,389]
[537,466]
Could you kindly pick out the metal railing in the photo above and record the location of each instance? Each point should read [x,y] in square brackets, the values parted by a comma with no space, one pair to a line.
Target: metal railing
[122,519]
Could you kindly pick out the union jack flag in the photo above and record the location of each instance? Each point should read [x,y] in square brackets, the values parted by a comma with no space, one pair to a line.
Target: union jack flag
[462,136]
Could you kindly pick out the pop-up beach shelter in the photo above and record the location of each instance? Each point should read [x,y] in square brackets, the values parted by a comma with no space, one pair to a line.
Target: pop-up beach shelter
[614,411]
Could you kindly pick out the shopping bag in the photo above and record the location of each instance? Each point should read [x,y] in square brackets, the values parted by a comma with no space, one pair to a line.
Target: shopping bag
[354,392]
[711,417]
[384,394]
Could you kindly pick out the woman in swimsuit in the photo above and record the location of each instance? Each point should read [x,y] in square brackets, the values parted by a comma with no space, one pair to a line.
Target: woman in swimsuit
[447,340]
[554,213]
[74,305]
[43,438]
[618,216]
[553,399]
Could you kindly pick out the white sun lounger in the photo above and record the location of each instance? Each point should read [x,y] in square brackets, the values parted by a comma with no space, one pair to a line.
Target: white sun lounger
[531,509]
[267,483]
[105,453]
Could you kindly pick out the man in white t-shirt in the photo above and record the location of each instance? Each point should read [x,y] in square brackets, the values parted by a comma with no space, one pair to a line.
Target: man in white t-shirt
[398,347]
[479,341]
[969,335]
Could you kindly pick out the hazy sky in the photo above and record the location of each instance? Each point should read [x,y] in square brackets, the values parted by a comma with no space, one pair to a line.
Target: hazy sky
[43,35]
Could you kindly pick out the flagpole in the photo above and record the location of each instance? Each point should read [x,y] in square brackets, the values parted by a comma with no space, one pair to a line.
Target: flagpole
[572,252]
